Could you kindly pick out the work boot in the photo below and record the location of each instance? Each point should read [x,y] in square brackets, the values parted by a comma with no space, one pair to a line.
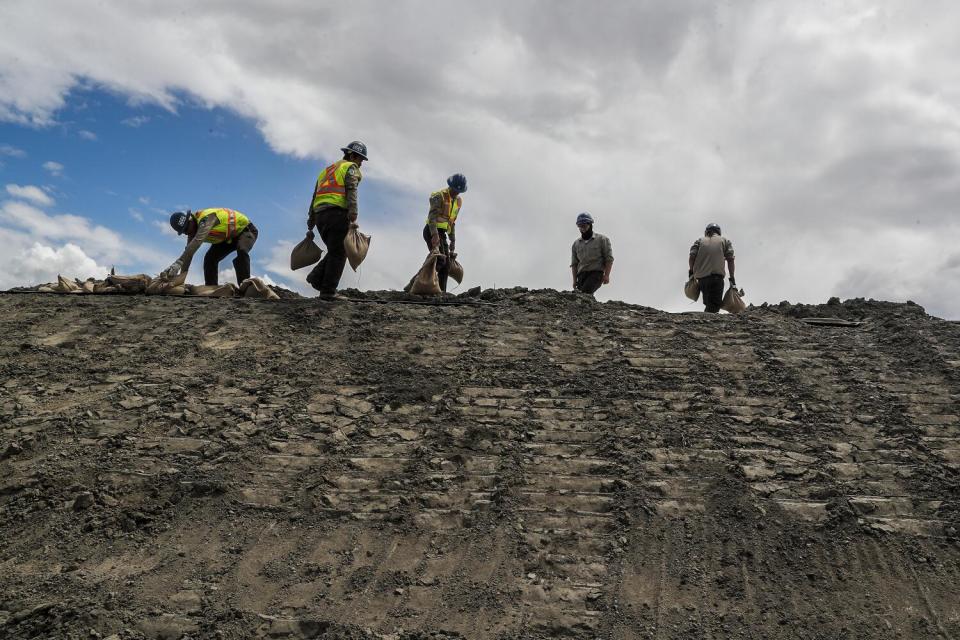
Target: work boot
[332,296]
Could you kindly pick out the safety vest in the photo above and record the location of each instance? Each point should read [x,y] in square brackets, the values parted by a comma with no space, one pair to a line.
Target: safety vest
[332,184]
[230,224]
[451,208]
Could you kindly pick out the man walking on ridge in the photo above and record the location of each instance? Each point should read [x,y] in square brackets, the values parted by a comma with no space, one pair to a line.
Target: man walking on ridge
[227,230]
[592,258]
[332,211]
[706,264]
[441,224]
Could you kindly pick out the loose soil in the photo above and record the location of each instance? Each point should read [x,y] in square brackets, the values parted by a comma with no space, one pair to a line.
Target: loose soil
[509,464]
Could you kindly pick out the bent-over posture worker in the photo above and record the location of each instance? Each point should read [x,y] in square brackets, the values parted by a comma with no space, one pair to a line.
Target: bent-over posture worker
[439,232]
[592,258]
[227,230]
[333,209]
[706,264]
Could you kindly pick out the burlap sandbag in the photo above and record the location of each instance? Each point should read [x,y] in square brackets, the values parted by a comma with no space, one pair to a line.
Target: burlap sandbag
[692,289]
[228,290]
[456,269]
[426,282]
[356,245]
[130,284]
[733,301]
[305,253]
[257,288]
[164,286]
[67,286]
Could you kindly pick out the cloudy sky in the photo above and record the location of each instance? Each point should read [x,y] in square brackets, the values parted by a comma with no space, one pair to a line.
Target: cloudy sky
[823,137]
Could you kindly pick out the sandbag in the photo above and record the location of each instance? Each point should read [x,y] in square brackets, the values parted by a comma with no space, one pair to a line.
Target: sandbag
[356,245]
[456,269]
[67,286]
[692,289]
[733,301]
[426,282]
[130,284]
[257,288]
[167,286]
[305,253]
[228,290]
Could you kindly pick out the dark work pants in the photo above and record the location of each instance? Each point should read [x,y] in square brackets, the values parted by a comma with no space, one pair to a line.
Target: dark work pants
[332,223]
[241,264]
[443,262]
[711,288]
[589,281]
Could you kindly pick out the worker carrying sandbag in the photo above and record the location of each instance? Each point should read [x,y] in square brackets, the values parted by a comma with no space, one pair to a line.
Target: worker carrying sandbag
[592,259]
[439,232]
[706,265]
[333,209]
[227,230]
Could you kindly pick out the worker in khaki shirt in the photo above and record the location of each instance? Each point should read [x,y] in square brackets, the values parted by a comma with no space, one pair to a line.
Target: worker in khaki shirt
[592,258]
[227,230]
[707,257]
[439,231]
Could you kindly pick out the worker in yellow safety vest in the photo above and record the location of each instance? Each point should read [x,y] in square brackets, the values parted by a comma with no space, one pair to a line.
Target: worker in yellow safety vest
[439,232]
[225,229]
[332,210]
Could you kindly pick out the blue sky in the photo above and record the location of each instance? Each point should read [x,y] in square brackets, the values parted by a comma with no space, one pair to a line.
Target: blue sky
[823,137]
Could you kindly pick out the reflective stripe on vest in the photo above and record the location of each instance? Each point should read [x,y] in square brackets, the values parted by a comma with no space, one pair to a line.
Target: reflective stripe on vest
[332,184]
[230,224]
[450,211]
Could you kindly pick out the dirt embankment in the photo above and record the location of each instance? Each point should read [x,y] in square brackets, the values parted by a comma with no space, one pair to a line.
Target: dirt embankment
[521,465]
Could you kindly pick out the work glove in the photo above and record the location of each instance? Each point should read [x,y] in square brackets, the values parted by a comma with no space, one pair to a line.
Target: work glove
[689,273]
[733,282]
[352,217]
[172,271]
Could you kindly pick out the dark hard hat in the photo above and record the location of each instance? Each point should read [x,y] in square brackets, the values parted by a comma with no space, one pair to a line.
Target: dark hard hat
[179,221]
[713,226]
[457,182]
[584,218]
[356,147]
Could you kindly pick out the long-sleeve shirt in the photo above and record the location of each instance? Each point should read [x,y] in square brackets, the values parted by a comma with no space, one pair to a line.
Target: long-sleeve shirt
[439,213]
[593,254]
[204,228]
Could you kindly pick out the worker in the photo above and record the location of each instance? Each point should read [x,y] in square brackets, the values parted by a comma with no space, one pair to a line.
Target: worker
[706,264]
[439,232]
[592,258]
[333,209]
[225,229]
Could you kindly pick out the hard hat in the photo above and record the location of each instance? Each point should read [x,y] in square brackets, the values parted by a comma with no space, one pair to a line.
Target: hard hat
[179,221]
[584,218]
[356,147]
[713,226]
[457,182]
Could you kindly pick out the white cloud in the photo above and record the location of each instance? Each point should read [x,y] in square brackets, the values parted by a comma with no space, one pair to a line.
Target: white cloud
[135,121]
[801,127]
[53,168]
[87,135]
[11,151]
[37,263]
[31,193]
[135,214]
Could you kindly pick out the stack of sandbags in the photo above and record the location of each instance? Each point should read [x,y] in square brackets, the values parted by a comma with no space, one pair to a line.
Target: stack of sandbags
[161,286]
[128,284]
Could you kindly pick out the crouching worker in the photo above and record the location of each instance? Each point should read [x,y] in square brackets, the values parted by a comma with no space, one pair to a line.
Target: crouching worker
[227,230]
